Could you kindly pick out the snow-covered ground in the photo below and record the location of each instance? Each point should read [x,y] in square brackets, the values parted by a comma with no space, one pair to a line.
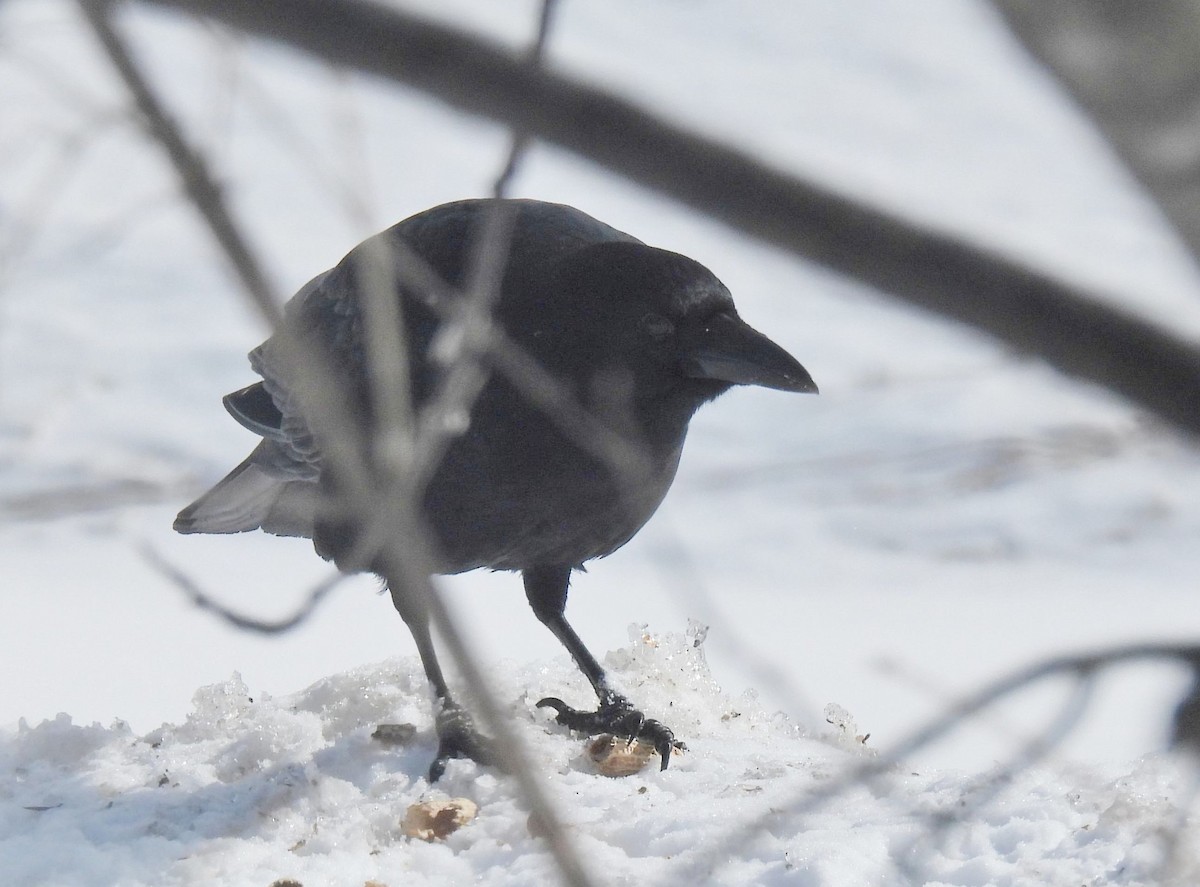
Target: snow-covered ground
[943,512]
[247,790]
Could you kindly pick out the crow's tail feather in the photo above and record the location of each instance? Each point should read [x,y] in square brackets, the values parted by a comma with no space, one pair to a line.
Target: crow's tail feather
[259,493]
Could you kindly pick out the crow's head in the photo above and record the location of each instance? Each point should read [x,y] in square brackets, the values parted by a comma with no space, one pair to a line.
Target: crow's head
[656,323]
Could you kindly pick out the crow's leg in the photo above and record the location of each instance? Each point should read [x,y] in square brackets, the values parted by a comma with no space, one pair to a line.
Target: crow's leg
[457,737]
[546,589]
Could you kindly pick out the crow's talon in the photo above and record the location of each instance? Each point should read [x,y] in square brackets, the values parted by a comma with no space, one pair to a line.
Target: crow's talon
[457,738]
[616,715]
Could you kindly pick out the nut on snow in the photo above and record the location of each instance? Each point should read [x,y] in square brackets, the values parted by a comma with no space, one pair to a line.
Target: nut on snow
[614,756]
[437,819]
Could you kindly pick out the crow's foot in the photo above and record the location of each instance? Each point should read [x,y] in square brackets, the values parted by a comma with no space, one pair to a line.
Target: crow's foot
[457,738]
[617,715]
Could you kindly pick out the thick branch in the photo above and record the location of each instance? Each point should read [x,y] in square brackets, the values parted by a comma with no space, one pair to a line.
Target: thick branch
[1134,68]
[1026,309]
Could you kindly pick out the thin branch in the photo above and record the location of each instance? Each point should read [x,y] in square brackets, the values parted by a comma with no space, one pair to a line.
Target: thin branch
[814,797]
[204,601]
[386,344]
[1031,753]
[200,186]
[406,566]
[520,138]
[1032,311]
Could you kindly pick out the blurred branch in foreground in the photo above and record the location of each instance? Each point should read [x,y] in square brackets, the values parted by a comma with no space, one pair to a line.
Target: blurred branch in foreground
[1133,67]
[1018,305]
[1081,668]
[1027,309]
[406,563]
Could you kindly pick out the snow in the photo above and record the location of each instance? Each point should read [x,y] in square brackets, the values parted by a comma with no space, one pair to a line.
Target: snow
[249,789]
[944,511]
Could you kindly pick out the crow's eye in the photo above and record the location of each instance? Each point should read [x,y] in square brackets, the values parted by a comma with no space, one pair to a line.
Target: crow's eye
[657,326]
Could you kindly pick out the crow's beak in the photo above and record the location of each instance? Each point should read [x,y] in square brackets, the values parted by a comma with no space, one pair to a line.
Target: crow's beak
[730,350]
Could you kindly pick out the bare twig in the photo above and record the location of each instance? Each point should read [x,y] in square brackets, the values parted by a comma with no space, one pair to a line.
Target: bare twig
[406,566]
[204,601]
[940,823]
[813,797]
[467,337]
[200,186]
[386,344]
[520,138]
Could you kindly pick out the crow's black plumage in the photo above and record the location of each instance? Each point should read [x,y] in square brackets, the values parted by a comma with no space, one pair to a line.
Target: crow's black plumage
[641,337]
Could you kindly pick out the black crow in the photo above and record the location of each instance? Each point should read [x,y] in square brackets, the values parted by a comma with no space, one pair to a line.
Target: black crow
[639,336]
